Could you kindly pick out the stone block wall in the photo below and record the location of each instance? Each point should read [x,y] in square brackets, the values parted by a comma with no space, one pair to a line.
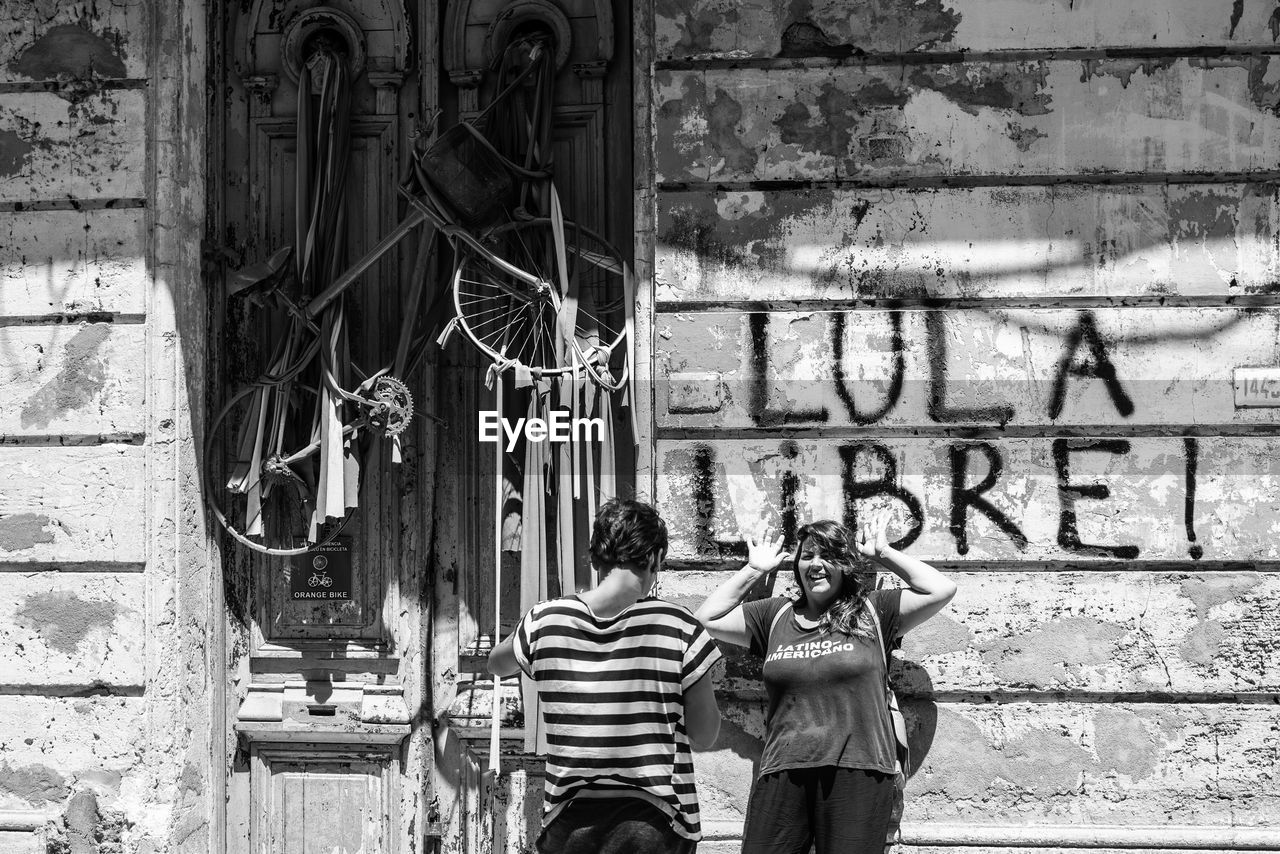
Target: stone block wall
[105,736]
[994,266]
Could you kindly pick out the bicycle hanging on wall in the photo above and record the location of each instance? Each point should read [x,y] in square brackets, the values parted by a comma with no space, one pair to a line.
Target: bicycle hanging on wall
[542,298]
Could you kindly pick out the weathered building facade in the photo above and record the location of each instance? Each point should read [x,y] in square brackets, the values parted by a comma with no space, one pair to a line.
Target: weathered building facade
[108,723]
[996,265]
[975,260]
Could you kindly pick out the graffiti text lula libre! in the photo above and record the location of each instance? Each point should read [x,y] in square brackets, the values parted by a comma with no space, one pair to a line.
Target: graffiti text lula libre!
[1084,355]
[869,474]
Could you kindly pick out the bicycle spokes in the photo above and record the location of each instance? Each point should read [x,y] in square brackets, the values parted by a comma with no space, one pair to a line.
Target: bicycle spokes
[516,323]
[540,295]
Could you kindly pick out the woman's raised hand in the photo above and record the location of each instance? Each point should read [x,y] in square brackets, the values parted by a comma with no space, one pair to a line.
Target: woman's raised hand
[765,554]
[873,535]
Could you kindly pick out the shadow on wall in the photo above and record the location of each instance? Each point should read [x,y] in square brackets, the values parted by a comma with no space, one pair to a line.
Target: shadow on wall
[724,786]
[924,243]
[918,707]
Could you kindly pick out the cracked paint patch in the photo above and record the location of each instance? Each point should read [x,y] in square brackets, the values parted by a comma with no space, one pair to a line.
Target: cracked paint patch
[1048,655]
[844,126]
[966,764]
[698,26]
[14,152]
[1204,643]
[1264,83]
[69,51]
[80,381]
[1204,214]
[832,131]
[63,620]
[685,152]
[738,229]
[25,530]
[1123,69]
[1264,75]
[879,26]
[35,784]
[1055,760]
[938,636]
[1123,744]
[706,133]
[806,28]
[1044,762]
[802,39]
[1021,87]
[694,227]
[723,115]
[1211,591]
[1024,137]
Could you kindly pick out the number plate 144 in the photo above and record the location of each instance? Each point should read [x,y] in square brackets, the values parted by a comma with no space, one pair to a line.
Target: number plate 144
[1257,387]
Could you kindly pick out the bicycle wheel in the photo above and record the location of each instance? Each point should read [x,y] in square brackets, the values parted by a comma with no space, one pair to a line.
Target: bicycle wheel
[515,321]
[265,499]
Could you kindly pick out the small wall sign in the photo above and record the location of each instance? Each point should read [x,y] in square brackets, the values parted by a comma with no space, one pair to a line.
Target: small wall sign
[323,573]
[1257,387]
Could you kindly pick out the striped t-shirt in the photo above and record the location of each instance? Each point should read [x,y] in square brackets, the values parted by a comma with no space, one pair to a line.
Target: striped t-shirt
[612,694]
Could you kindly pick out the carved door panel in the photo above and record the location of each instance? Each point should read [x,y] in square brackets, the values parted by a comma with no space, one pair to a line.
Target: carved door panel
[591,169]
[591,84]
[321,682]
[591,142]
[320,800]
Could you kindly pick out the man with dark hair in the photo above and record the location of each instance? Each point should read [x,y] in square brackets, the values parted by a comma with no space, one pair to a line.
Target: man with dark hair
[623,681]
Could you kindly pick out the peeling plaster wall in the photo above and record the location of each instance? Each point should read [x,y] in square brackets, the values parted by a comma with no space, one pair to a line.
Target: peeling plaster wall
[992,265]
[745,29]
[105,709]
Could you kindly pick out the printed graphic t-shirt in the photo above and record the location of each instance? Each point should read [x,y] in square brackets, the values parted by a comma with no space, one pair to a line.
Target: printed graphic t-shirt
[612,693]
[825,689]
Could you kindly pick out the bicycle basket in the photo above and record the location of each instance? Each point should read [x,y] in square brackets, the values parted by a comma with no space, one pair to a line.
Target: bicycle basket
[468,174]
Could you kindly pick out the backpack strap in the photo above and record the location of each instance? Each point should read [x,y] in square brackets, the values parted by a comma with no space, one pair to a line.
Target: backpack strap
[884,648]
[777,618]
[897,723]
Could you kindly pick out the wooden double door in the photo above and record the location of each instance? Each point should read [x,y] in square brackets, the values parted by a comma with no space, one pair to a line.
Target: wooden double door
[335,708]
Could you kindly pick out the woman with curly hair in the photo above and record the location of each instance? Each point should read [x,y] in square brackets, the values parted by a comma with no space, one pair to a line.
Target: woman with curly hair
[826,776]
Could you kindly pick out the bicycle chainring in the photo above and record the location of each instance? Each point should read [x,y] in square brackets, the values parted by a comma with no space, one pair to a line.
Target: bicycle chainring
[390,406]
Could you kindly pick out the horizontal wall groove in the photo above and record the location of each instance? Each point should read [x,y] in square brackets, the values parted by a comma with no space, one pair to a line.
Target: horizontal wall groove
[25,820]
[1001,697]
[1189,837]
[1253,300]
[1131,837]
[32,567]
[72,317]
[79,89]
[850,57]
[67,440]
[960,432]
[1250,698]
[72,205]
[1135,837]
[1044,698]
[943,182]
[71,691]
[734,562]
